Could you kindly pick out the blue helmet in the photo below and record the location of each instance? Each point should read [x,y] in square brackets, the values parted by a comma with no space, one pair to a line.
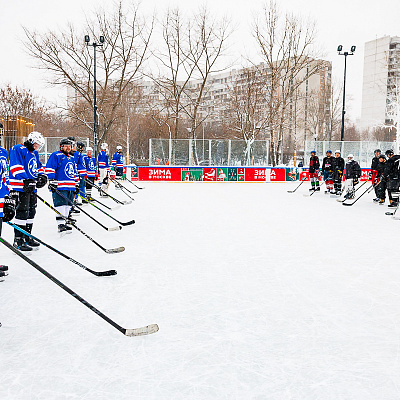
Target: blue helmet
[329,151]
[313,151]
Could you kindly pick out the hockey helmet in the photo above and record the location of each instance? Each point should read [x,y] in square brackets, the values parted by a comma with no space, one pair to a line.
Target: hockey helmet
[89,149]
[382,156]
[313,151]
[389,152]
[104,146]
[65,142]
[329,151]
[337,151]
[119,147]
[350,156]
[377,151]
[36,137]
[80,146]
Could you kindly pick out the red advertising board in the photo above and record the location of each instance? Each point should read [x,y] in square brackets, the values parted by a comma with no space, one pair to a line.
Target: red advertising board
[278,175]
[159,174]
[254,174]
[209,174]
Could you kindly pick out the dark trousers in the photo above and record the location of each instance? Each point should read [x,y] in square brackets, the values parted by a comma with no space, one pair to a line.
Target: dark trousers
[25,209]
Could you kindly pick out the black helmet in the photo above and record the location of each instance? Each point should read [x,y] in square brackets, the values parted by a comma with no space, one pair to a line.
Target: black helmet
[389,152]
[65,142]
[382,156]
[377,150]
[80,146]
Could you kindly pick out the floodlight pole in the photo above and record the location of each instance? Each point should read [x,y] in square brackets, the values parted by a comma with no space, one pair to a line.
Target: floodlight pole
[95,138]
[345,54]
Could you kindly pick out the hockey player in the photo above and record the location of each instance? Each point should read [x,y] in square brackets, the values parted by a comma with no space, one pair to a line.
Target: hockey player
[81,166]
[90,164]
[61,171]
[26,174]
[104,168]
[391,177]
[7,204]
[327,170]
[380,185]
[118,162]
[338,168]
[353,173]
[374,165]
[313,171]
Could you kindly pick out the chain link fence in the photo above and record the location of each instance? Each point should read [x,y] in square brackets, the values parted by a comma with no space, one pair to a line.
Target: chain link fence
[363,152]
[186,152]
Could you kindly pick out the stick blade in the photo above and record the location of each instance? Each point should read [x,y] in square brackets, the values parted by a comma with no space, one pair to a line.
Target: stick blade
[127,223]
[116,250]
[347,204]
[115,228]
[126,202]
[146,330]
[107,273]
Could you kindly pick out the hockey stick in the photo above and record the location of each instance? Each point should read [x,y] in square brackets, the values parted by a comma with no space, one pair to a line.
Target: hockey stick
[108,215]
[121,186]
[361,195]
[292,191]
[115,228]
[146,330]
[320,186]
[111,197]
[136,186]
[108,251]
[90,198]
[117,185]
[358,187]
[101,273]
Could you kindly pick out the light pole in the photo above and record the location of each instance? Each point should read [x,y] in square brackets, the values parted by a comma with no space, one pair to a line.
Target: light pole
[345,54]
[94,45]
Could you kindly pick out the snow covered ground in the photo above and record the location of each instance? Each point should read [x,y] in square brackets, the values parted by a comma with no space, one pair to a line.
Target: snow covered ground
[258,293]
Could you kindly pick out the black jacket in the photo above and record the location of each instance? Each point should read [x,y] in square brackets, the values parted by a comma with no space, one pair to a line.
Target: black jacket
[338,164]
[314,164]
[380,168]
[391,170]
[374,164]
[327,164]
[353,169]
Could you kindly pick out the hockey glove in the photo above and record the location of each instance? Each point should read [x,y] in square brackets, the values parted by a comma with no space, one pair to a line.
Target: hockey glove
[41,181]
[53,185]
[76,188]
[8,209]
[29,185]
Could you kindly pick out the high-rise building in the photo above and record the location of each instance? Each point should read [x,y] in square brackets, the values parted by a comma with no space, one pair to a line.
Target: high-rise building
[381,72]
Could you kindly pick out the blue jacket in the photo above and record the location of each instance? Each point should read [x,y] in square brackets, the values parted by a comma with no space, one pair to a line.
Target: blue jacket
[62,168]
[79,161]
[3,178]
[118,160]
[90,166]
[103,160]
[23,165]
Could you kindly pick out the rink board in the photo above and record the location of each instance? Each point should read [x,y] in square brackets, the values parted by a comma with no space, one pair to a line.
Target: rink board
[221,174]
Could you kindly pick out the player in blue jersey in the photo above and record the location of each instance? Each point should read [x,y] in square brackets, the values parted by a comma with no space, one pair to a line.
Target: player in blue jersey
[104,168]
[26,174]
[80,162]
[7,204]
[90,164]
[118,163]
[60,169]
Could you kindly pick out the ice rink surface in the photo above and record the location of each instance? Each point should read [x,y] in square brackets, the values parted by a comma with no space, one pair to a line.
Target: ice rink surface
[258,293]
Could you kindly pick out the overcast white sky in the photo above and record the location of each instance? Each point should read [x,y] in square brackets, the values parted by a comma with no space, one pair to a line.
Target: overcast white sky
[346,22]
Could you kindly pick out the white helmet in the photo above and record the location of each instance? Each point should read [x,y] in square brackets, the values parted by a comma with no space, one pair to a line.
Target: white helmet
[36,137]
[104,146]
[119,147]
[337,151]
[89,149]
[350,156]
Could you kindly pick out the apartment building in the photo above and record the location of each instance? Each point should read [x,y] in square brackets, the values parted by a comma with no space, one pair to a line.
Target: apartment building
[380,80]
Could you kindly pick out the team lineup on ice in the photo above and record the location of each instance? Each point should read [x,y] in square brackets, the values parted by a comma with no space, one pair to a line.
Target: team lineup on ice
[258,293]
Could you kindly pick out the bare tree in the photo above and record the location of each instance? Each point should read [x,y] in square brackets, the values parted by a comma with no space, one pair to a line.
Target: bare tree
[286,47]
[127,36]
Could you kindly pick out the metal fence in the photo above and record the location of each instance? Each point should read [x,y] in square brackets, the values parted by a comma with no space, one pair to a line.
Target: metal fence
[186,152]
[363,151]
